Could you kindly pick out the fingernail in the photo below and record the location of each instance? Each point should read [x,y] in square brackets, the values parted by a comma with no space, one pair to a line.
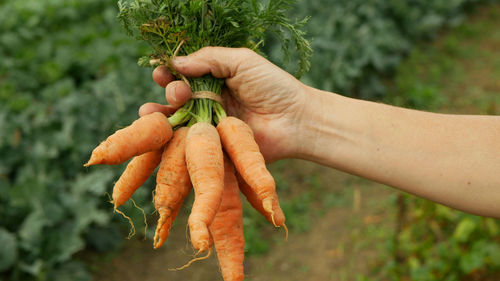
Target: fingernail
[174,96]
[180,60]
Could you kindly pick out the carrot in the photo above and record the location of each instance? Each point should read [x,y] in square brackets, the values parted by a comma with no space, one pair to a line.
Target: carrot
[150,132]
[172,185]
[252,198]
[136,173]
[227,228]
[205,164]
[238,141]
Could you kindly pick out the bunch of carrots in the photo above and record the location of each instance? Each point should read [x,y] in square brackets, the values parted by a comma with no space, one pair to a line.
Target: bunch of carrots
[199,146]
[215,161]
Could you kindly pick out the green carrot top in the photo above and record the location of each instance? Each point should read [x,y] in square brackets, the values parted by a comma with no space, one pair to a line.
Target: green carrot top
[166,24]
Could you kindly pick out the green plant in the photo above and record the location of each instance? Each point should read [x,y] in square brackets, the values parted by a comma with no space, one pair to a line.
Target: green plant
[358,44]
[55,72]
[438,243]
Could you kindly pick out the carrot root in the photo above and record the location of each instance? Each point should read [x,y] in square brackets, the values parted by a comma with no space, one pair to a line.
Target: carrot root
[192,261]
[239,142]
[205,163]
[149,132]
[136,173]
[172,185]
[267,203]
[156,239]
[132,226]
[109,197]
[286,232]
[227,228]
[144,215]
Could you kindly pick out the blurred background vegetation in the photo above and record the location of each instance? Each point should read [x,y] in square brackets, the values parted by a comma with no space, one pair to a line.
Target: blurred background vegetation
[69,77]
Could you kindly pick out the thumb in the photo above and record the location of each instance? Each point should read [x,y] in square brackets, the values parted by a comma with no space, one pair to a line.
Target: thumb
[221,62]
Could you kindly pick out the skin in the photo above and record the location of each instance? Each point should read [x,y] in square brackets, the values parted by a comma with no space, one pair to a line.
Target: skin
[450,159]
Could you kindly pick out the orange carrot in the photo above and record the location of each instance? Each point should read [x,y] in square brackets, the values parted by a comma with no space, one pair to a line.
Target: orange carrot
[205,164]
[172,185]
[252,198]
[238,141]
[150,132]
[137,172]
[227,228]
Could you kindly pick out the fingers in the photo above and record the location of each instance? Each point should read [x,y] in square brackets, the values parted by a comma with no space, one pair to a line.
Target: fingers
[162,76]
[150,107]
[219,61]
[177,93]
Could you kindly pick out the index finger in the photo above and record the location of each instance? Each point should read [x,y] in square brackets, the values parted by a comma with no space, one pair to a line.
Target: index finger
[221,62]
[162,76]
[151,107]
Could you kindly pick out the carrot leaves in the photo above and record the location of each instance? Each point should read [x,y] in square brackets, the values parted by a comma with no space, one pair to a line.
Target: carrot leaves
[187,26]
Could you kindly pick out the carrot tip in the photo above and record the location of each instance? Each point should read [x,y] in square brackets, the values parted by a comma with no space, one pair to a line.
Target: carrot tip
[91,162]
[192,261]
[272,218]
[267,204]
[157,240]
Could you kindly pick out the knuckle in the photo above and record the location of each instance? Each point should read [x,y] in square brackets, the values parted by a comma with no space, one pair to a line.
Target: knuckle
[246,52]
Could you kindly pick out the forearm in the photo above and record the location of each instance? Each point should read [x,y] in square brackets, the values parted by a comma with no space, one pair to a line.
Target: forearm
[450,159]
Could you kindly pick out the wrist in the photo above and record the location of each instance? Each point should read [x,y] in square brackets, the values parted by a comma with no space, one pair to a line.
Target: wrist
[331,129]
[315,124]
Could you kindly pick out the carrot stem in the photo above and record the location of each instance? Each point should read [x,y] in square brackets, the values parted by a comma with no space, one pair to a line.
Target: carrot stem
[219,112]
[182,115]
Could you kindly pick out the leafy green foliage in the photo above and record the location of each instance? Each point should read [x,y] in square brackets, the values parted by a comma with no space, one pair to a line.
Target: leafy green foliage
[8,249]
[67,80]
[230,23]
[438,243]
[358,43]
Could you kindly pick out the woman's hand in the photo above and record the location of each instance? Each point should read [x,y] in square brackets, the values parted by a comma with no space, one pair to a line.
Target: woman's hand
[266,97]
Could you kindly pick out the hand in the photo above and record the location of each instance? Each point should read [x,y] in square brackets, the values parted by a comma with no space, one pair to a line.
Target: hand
[258,92]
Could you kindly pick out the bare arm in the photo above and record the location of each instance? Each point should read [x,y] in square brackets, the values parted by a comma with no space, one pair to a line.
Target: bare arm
[450,159]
